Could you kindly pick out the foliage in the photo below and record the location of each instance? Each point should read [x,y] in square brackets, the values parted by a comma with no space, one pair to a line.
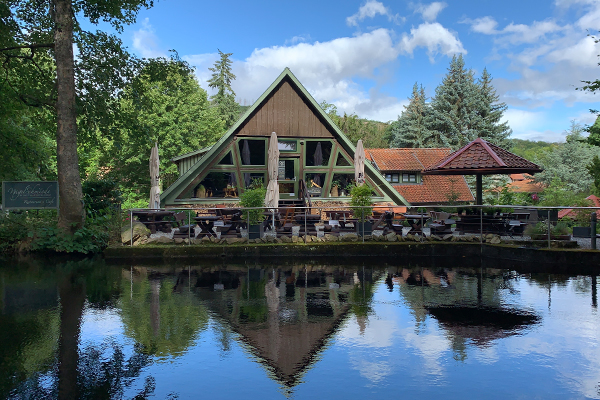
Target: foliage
[373,133]
[28,42]
[411,128]
[165,104]
[362,198]
[594,130]
[567,163]
[254,196]
[91,238]
[541,228]
[463,110]
[594,170]
[101,196]
[558,194]
[535,151]
[491,111]
[224,99]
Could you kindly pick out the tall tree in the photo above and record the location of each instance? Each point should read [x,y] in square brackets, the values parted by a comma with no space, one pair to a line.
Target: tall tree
[491,111]
[50,28]
[164,103]
[224,99]
[454,114]
[567,162]
[411,130]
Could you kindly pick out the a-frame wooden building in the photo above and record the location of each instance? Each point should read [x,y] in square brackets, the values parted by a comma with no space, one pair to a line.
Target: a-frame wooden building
[313,151]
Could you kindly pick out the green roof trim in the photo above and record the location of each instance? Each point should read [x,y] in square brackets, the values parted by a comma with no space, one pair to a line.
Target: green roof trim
[171,193]
[191,154]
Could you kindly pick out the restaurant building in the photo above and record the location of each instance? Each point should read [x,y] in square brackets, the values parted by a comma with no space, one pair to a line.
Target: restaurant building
[315,160]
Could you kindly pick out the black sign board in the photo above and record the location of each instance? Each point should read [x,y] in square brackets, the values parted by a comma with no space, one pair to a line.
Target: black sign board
[29,195]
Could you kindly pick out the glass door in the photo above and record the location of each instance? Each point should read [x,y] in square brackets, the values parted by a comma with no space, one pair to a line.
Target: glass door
[287,178]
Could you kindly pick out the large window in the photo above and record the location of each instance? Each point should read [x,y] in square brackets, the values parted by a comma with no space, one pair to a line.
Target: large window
[216,184]
[343,183]
[318,153]
[314,183]
[252,151]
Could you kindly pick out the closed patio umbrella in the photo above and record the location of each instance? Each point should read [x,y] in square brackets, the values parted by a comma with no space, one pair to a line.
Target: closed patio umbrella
[246,161]
[272,196]
[359,164]
[154,178]
[318,160]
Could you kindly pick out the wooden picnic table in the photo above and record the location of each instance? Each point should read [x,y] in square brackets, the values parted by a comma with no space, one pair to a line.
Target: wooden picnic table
[206,224]
[416,221]
[154,220]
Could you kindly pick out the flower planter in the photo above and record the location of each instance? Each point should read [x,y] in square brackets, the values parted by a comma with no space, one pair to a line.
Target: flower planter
[254,232]
[552,237]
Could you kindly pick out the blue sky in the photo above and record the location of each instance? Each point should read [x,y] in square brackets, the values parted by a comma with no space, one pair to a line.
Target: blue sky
[365,56]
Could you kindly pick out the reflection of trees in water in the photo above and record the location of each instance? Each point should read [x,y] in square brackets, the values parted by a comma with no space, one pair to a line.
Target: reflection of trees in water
[160,312]
[42,306]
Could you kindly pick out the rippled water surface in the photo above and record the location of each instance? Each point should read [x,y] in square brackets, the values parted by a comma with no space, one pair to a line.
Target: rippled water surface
[87,329]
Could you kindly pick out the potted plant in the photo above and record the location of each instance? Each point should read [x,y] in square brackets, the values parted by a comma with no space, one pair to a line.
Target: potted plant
[539,231]
[335,185]
[200,192]
[362,199]
[253,196]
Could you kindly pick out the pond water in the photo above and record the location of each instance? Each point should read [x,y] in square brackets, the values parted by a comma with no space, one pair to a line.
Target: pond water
[87,329]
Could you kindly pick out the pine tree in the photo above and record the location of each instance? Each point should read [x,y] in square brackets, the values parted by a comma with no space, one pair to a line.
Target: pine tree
[224,99]
[410,130]
[491,111]
[455,116]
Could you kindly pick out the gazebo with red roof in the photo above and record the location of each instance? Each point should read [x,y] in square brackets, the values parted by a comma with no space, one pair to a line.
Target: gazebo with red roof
[482,158]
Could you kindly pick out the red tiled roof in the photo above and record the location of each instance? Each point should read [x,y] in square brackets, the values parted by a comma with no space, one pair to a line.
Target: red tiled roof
[436,189]
[569,211]
[480,156]
[405,159]
[432,189]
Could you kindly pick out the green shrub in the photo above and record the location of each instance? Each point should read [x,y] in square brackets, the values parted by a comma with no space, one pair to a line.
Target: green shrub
[101,196]
[362,196]
[254,196]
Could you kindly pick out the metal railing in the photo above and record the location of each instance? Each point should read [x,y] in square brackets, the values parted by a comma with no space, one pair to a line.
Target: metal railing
[511,222]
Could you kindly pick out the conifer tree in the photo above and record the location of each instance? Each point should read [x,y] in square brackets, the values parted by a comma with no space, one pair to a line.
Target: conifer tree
[491,112]
[455,115]
[410,130]
[224,99]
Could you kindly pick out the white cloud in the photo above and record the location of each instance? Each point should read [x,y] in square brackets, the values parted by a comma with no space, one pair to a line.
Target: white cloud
[145,41]
[430,12]
[485,25]
[434,37]
[370,9]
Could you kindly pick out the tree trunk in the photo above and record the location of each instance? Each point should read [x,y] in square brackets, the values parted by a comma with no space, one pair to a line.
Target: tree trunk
[72,300]
[70,213]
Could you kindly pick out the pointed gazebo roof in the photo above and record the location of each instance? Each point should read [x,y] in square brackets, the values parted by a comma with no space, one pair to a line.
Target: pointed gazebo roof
[482,158]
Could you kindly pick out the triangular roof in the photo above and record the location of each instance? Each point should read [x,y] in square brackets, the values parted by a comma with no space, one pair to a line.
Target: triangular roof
[184,180]
[569,211]
[482,157]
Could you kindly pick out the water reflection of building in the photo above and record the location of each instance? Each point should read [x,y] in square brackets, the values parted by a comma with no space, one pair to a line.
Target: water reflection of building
[285,316]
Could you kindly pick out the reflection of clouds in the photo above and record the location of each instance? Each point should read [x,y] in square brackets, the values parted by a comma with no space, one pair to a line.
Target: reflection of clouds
[378,333]
[567,340]
[487,355]
[431,347]
[374,371]
[96,325]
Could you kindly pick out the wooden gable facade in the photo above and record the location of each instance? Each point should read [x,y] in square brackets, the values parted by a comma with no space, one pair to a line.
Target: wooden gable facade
[312,149]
